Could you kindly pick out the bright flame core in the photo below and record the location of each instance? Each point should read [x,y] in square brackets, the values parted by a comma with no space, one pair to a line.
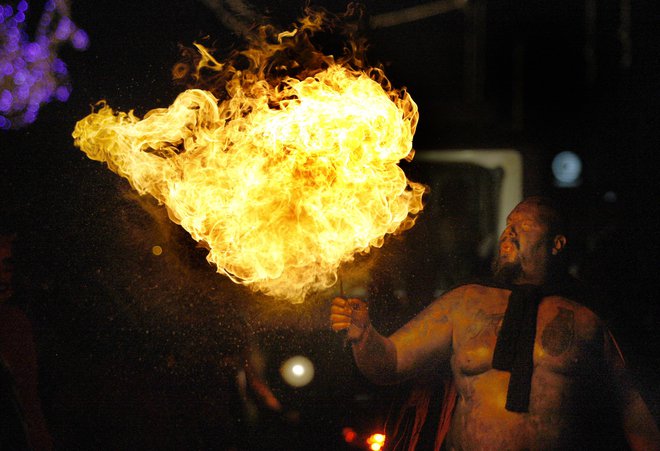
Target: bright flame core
[284,179]
[376,441]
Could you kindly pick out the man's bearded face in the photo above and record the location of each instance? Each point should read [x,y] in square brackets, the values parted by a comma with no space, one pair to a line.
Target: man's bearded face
[506,272]
[524,246]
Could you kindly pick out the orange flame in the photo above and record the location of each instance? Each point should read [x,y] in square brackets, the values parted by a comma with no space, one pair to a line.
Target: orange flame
[283,179]
[376,441]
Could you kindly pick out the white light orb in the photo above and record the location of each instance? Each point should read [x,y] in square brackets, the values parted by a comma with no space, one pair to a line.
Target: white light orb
[567,168]
[297,371]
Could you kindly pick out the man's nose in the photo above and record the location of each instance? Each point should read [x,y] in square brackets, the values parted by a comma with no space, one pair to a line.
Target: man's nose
[509,232]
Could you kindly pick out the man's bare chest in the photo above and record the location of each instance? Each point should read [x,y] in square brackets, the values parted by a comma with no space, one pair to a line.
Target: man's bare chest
[557,345]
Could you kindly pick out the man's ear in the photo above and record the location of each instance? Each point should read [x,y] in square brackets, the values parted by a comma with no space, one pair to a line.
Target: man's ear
[558,244]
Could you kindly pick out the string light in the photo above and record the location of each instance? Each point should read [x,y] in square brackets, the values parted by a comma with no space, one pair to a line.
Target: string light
[31,73]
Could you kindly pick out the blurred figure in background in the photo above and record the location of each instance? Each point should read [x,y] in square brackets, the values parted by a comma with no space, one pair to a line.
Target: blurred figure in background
[22,423]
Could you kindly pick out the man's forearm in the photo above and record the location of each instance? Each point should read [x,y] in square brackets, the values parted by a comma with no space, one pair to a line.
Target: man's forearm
[375,356]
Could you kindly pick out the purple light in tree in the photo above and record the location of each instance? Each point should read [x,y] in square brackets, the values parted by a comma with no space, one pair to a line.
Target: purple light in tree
[5,123]
[32,52]
[31,74]
[80,40]
[62,93]
[6,69]
[64,29]
[59,67]
[5,100]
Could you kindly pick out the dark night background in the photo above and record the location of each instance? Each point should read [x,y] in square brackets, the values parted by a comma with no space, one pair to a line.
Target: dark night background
[138,351]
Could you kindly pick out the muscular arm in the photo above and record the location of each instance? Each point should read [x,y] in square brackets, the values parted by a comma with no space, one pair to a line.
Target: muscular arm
[376,357]
[638,424]
[426,340]
[423,342]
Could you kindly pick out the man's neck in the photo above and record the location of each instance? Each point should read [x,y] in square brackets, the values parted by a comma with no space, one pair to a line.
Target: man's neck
[537,281]
[546,278]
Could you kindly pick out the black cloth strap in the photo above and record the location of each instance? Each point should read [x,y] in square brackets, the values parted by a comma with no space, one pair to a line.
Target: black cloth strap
[514,350]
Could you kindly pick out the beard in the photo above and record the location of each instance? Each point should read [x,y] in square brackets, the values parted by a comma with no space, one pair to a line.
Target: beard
[506,272]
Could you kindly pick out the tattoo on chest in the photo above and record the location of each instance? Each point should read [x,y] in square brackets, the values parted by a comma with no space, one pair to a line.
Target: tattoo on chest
[485,323]
[559,333]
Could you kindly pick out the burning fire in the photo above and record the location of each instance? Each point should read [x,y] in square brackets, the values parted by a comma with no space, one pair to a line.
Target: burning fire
[283,177]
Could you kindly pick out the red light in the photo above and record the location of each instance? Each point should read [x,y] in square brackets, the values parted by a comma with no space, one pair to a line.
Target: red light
[349,434]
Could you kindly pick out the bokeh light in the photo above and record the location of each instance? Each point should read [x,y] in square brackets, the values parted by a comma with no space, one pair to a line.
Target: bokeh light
[349,434]
[31,74]
[376,441]
[297,371]
[567,168]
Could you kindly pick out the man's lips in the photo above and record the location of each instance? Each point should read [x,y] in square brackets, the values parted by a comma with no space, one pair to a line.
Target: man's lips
[506,247]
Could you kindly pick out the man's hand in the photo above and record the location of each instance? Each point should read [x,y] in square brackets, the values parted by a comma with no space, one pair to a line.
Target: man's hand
[351,315]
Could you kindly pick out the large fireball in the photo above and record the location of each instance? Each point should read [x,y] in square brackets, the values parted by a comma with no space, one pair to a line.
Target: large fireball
[284,178]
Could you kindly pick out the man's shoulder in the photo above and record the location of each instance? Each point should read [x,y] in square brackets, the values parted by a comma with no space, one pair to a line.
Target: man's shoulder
[584,320]
[477,286]
[475,295]
[568,303]
[478,290]
[579,297]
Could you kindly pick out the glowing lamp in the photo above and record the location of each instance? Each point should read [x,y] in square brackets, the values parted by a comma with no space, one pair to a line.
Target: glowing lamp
[297,371]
